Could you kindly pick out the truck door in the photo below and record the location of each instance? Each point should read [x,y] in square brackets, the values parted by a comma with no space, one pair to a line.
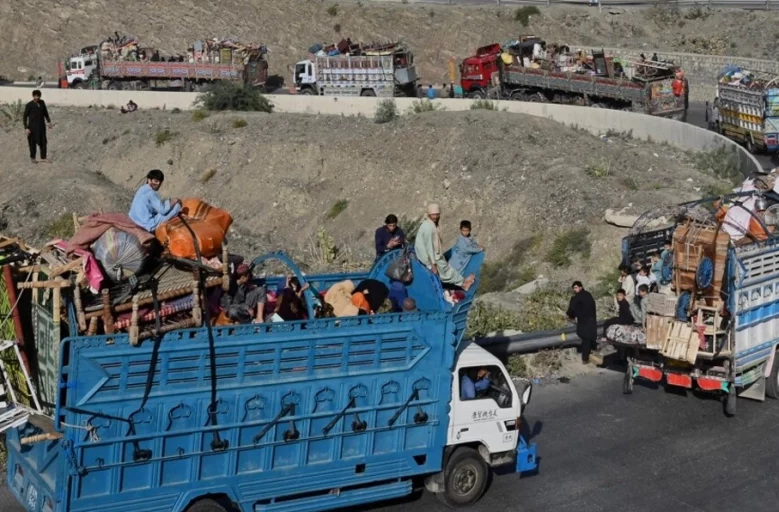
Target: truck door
[484,408]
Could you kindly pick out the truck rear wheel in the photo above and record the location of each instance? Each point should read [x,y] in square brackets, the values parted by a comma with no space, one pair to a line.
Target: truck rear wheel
[465,478]
[772,384]
[307,92]
[370,93]
[478,94]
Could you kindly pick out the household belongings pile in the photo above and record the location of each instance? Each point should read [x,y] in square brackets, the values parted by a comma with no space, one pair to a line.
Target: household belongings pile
[691,320]
[125,48]
[347,47]
[225,51]
[123,279]
[736,76]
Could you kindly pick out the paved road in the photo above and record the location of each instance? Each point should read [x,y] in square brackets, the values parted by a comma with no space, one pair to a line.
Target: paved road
[601,451]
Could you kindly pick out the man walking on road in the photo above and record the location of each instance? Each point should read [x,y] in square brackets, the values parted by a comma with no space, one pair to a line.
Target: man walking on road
[582,309]
[35,113]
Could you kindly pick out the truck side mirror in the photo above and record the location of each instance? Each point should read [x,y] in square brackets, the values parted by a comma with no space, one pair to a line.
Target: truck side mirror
[526,394]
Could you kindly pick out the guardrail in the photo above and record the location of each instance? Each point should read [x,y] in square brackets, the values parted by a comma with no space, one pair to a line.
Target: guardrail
[765,5]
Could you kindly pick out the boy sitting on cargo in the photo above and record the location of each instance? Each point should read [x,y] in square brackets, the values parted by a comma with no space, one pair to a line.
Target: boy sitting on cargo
[657,266]
[464,248]
[244,302]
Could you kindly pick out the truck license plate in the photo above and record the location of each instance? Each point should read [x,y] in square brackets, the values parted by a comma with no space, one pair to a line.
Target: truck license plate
[32,497]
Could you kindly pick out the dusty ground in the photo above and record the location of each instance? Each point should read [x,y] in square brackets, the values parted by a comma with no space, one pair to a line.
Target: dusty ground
[287,177]
[35,34]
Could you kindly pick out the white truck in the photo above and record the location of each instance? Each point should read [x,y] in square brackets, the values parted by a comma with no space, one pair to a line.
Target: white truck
[386,71]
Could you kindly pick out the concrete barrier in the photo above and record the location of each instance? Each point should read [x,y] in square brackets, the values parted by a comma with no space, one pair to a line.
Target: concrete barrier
[594,120]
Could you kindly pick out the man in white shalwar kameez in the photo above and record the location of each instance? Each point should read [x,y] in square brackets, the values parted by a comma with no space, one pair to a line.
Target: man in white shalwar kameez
[428,248]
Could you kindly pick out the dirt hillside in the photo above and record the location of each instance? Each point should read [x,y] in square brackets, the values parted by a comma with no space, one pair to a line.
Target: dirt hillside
[35,34]
[317,184]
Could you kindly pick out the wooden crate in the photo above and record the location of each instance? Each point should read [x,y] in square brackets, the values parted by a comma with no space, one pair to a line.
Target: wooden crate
[682,342]
[691,243]
[661,304]
[657,328]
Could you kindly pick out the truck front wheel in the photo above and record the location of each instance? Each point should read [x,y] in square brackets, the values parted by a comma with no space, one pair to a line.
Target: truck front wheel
[206,505]
[772,383]
[465,478]
[477,94]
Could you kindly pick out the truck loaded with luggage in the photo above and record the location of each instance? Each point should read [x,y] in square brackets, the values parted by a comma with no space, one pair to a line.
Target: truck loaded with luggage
[131,385]
[710,324]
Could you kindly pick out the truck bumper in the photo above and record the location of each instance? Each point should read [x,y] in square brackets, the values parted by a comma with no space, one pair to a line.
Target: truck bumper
[526,456]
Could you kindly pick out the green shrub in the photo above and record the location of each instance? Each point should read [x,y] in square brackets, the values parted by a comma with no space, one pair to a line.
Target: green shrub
[162,137]
[12,112]
[523,14]
[338,207]
[424,105]
[231,96]
[566,244]
[608,283]
[239,123]
[497,276]
[722,163]
[386,111]
[200,114]
[62,227]
[410,227]
[333,10]
[540,311]
[484,105]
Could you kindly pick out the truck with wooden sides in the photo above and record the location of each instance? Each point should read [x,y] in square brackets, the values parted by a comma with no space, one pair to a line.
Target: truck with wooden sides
[105,66]
[711,324]
[382,70]
[310,415]
[746,110]
[510,73]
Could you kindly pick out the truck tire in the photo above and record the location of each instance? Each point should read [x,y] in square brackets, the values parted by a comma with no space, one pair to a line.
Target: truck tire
[206,505]
[478,94]
[307,92]
[368,93]
[79,85]
[730,401]
[114,86]
[465,478]
[536,97]
[772,384]
[751,147]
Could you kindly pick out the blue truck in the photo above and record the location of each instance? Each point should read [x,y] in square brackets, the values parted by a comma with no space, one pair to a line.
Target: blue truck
[298,416]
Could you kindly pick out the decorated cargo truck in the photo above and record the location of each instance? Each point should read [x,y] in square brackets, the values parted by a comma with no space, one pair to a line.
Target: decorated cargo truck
[526,71]
[317,414]
[711,322]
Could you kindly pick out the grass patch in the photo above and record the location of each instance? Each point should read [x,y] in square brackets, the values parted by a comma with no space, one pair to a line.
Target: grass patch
[200,114]
[601,170]
[322,248]
[722,163]
[424,105]
[207,175]
[717,190]
[497,276]
[12,112]
[523,14]
[61,228]
[607,284]
[239,123]
[386,111]
[566,244]
[484,105]
[410,227]
[176,110]
[337,209]
[162,137]
[333,10]
[226,95]
[629,183]
[540,311]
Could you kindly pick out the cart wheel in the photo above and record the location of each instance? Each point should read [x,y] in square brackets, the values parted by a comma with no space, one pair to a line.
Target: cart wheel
[705,273]
[627,382]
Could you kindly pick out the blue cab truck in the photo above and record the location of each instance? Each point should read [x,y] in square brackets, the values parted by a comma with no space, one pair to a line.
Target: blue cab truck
[295,416]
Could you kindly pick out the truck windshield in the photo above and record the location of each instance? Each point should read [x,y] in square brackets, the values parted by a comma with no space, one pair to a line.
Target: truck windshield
[300,70]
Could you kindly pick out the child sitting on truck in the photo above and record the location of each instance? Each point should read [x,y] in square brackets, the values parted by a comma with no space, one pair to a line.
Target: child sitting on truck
[464,248]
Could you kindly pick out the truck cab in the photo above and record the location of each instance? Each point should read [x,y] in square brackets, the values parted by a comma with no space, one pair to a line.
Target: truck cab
[476,71]
[304,77]
[79,68]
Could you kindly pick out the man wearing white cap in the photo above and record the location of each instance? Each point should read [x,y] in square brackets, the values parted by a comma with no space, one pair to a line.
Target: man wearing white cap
[428,248]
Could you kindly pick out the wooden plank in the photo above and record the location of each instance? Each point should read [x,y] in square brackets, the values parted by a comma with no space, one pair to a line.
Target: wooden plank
[657,329]
[73,265]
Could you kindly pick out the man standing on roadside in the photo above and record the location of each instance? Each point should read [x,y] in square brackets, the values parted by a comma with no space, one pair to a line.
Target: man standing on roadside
[35,113]
[582,309]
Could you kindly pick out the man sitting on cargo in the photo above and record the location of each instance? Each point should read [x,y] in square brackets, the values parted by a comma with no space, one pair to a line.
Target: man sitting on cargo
[389,236]
[245,302]
[428,250]
[147,209]
[470,389]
